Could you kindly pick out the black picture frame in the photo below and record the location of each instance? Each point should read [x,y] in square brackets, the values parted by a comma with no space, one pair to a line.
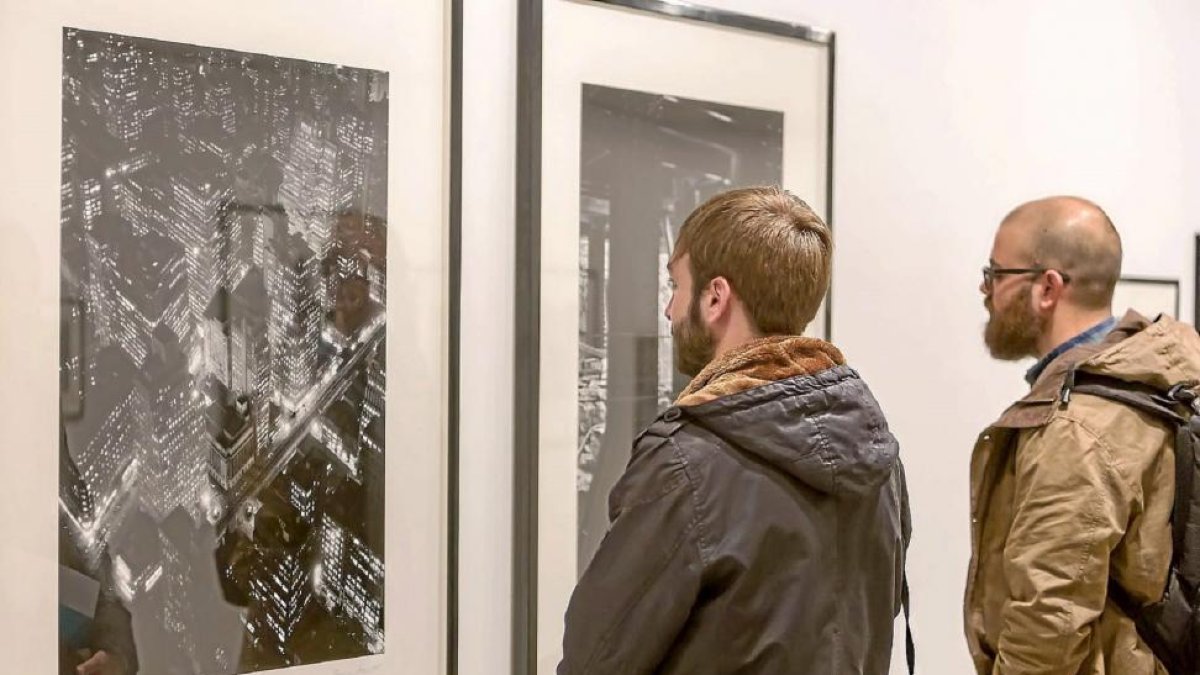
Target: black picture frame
[454,330]
[1196,284]
[527,287]
[1152,282]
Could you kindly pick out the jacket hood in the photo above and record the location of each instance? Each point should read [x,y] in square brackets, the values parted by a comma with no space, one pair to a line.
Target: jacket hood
[818,422]
[1161,354]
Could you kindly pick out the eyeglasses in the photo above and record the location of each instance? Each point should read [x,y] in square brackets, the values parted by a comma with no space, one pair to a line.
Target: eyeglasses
[990,273]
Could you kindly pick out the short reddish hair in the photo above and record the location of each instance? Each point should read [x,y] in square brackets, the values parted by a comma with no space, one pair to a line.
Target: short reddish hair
[773,249]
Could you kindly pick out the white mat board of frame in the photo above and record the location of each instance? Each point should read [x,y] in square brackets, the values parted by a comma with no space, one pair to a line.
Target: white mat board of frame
[409,41]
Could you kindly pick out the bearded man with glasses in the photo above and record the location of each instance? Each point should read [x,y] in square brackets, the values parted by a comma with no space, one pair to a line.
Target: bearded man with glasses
[1071,496]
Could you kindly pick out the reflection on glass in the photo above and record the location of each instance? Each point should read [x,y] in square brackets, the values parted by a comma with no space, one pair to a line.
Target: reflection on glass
[647,161]
[221,489]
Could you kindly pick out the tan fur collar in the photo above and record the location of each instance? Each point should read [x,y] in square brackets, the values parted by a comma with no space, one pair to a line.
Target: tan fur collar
[760,362]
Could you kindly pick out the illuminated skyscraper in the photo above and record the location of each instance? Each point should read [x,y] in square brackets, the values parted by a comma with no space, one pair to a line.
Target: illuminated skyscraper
[281,588]
[217,327]
[69,188]
[178,601]
[355,144]
[141,196]
[351,566]
[250,352]
[338,430]
[145,284]
[295,319]
[308,192]
[237,350]
[73,492]
[232,442]
[111,433]
[220,104]
[122,88]
[199,205]
[375,399]
[184,103]
[175,458]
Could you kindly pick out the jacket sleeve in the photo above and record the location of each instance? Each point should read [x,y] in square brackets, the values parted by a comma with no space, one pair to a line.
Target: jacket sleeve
[639,589]
[1071,508]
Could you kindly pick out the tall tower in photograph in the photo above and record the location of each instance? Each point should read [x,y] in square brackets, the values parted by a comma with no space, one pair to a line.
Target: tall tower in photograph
[295,319]
[174,458]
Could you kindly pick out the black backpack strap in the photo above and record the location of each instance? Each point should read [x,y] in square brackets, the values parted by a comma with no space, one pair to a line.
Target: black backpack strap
[1136,395]
[910,649]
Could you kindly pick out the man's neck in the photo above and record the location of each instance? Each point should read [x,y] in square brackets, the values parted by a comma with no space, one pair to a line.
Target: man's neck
[1068,326]
[734,338]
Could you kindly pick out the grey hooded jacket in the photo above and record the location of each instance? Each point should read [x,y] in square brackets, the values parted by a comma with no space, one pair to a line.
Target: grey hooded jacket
[761,532]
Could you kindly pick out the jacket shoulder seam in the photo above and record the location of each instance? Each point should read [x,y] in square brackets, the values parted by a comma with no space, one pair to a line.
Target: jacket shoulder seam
[703,544]
[679,479]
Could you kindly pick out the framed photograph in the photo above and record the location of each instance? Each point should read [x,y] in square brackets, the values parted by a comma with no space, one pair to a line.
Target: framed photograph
[632,113]
[1196,285]
[1148,296]
[247,462]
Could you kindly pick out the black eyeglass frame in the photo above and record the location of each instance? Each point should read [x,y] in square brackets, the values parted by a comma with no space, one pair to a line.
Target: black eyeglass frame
[990,273]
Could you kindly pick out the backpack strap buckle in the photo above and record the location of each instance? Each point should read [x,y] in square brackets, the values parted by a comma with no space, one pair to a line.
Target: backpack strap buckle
[1064,394]
[1185,393]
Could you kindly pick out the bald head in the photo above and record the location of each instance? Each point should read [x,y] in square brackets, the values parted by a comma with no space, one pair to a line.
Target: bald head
[1075,236]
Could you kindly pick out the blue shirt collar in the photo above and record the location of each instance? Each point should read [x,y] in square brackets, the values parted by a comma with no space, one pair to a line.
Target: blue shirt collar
[1090,336]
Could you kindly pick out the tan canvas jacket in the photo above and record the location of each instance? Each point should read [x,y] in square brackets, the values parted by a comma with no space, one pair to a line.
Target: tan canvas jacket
[1065,496]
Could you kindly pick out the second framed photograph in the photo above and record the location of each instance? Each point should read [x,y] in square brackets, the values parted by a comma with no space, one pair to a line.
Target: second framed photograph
[1147,295]
[632,114]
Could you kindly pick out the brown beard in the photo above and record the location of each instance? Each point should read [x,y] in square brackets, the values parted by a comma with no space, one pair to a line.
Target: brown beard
[693,344]
[1012,333]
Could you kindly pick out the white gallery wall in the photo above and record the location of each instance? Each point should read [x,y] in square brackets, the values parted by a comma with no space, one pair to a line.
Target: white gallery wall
[948,114]
[486,362]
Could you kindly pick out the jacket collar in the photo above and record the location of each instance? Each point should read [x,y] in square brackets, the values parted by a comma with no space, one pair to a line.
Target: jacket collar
[1037,407]
[1092,335]
[759,362]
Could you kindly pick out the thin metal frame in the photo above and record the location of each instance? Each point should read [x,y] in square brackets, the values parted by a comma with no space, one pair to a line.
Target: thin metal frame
[527,355]
[454,386]
[1158,281]
[755,24]
[527,359]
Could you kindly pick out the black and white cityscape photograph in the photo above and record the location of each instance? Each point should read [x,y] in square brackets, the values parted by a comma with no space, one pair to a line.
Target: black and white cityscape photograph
[647,160]
[222,361]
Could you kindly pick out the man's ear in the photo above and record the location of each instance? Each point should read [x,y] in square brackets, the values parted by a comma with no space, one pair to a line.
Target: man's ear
[718,301]
[1051,290]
